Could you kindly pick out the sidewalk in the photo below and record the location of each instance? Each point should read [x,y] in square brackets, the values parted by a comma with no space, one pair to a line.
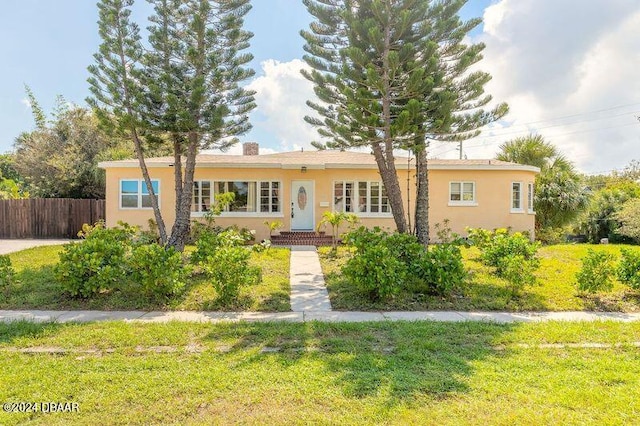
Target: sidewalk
[306,316]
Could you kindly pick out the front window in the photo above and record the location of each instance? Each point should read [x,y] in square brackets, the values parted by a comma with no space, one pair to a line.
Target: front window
[135,195]
[201,201]
[249,197]
[530,197]
[516,196]
[269,197]
[462,193]
[245,196]
[360,197]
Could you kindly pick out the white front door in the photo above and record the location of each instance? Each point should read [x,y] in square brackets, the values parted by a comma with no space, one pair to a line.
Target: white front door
[302,210]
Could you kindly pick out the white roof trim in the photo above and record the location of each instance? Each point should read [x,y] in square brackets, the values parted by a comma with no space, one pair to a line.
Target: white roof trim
[399,166]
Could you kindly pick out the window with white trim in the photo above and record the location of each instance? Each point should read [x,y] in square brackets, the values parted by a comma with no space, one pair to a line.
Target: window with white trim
[363,197]
[462,193]
[530,198]
[201,201]
[134,193]
[249,196]
[516,197]
[269,197]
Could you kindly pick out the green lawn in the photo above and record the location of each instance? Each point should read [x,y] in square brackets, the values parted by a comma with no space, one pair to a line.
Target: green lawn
[555,291]
[319,373]
[35,288]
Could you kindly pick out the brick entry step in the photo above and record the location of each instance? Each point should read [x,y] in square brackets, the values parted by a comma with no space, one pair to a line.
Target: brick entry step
[301,238]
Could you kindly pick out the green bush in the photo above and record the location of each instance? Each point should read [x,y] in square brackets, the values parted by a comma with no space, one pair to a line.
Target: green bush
[362,238]
[229,270]
[376,272]
[596,272]
[629,268]
[7,274]
[550,236]
[440,268]
[480,237]
[503,245]
[518,272]
[93,265]
[210,241]
[403,258]
[159,270]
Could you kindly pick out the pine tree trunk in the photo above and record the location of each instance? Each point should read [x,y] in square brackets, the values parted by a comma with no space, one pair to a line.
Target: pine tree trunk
[182,225]
[392,186]
[422,197]
[386,159]
[162,230]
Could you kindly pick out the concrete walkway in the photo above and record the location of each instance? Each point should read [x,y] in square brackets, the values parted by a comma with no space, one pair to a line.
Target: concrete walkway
[306,316]
[308,289]
[9,246]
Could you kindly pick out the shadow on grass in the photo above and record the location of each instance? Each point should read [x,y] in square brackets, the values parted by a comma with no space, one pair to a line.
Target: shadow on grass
[10,332]
[398,361]
[624,301]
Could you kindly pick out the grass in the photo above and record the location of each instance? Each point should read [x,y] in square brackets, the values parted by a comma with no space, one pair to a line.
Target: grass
[36,288]
[555,291]
[320,373]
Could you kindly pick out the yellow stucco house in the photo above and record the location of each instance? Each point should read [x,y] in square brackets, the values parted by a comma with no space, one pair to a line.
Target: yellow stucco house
[297,187]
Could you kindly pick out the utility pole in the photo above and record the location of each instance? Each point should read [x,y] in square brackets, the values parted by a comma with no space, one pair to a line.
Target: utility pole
[460,149]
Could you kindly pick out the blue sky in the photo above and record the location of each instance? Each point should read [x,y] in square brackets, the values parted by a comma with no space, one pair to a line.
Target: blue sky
[567,73]
[49,44]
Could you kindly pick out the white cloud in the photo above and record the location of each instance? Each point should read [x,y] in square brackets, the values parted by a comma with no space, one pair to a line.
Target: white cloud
[557,58]
[26,103]
[281,95]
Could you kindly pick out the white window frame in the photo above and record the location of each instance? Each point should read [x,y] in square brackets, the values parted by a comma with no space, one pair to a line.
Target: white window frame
[464,203]
[140,183]
[257,213]
[211,195]
[520,198]
[270,205]
[530,197]
[356,202]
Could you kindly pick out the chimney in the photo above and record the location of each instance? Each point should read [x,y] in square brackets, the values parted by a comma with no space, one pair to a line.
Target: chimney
[250,148]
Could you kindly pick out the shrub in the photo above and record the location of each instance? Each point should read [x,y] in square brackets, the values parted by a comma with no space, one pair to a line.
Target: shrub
[158,270]
[629,268]
[503,245]
[93,265]
[518,272]
[376,272]
[596,272]
[209,242]
[479,237]
[550,236]
[7,273]
[363,238]
[228,269]
[404,247]
[441,268]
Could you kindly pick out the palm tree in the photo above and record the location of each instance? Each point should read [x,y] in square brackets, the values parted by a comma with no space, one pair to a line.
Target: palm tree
[559,192]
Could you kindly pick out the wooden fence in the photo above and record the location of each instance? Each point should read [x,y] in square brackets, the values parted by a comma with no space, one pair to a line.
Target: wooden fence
[47,217]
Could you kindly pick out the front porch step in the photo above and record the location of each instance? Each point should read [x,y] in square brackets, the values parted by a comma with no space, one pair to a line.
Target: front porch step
[301,238]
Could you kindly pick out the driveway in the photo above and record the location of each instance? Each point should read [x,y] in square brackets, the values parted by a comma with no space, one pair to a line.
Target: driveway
[9,246]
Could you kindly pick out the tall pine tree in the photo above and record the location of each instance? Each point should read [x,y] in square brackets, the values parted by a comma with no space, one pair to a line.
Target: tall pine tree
[389,75]
[182,90]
